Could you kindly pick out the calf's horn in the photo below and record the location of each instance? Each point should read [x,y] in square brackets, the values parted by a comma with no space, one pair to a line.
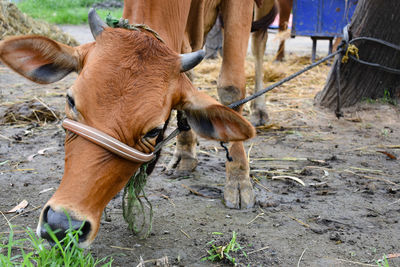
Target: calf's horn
[95,23]
[190,60]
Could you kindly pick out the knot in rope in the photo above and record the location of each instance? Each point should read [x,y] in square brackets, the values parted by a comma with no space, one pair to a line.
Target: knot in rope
[352,49]
[124,24]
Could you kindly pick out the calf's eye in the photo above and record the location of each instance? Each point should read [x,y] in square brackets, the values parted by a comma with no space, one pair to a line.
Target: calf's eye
[153,133]
[71,101]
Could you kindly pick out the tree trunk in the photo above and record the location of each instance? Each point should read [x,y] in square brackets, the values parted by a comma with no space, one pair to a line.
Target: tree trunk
[372,18]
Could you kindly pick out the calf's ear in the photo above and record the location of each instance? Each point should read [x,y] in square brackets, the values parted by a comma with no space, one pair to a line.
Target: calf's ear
[212,120]
[38,58]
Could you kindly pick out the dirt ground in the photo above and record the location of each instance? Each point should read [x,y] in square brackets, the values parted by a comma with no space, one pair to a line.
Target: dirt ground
[346,214]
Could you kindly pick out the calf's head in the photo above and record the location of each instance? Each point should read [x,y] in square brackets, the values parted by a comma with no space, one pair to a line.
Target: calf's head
[128,83]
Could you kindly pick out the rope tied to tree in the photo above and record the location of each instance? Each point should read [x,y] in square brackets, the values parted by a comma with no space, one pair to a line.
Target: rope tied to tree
[352,49]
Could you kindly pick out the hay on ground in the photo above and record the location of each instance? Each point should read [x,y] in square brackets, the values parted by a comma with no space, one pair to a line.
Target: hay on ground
[29,111]
[14,22]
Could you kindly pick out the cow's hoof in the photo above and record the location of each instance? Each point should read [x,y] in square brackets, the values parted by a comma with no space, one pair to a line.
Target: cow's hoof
[259,117]
[187,165]
[231,195]
[239,195]
[182,164]
[247,197]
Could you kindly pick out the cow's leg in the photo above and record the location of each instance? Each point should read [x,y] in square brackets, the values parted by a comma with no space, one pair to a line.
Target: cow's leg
[285,8]
[237,15]
[259,38]
[184,159]
[185,156]
[259,115]
[280,54]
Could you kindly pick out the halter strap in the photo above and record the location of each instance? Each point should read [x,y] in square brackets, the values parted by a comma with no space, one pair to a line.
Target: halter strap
[107,142]
[117,147]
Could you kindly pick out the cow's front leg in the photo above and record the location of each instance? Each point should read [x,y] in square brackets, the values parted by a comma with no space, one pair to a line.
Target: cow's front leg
[259,38]
[259,115]
[237,16]
[238,191]
[184,159]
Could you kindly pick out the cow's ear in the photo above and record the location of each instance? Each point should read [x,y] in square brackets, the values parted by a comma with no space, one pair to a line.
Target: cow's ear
[212,120]
[38,58]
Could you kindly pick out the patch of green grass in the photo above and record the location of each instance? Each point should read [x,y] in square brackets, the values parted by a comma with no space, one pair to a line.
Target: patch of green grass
[353,254]
[383,262]
[63,11]
[385,132]
[386,99]
[33,251]
[223,252]
[368,100]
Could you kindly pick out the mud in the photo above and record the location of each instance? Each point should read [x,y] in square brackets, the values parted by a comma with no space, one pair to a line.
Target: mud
[348,211]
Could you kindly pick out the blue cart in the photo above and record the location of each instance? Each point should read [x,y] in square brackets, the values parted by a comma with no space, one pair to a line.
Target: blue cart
[321,19]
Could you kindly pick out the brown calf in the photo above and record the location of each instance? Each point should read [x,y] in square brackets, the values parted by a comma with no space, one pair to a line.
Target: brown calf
[127,85]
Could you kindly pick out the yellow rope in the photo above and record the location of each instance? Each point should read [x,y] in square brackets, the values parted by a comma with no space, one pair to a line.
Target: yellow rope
[352,49]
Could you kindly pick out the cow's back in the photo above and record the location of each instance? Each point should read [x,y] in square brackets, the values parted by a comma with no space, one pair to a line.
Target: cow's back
[182,24]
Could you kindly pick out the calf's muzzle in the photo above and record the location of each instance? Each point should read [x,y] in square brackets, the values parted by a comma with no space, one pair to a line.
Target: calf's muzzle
[60,223]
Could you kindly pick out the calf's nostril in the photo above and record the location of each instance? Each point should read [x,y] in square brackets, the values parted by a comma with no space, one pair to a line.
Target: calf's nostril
[60,223]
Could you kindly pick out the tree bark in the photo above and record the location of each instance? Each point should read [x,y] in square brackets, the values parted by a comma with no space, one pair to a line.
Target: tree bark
[372,18]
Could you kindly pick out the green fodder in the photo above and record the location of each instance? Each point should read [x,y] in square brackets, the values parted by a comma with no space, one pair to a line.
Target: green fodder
[14,22]
[137,209]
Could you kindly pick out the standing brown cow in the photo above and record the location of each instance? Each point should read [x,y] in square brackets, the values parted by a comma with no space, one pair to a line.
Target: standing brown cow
[184,25]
